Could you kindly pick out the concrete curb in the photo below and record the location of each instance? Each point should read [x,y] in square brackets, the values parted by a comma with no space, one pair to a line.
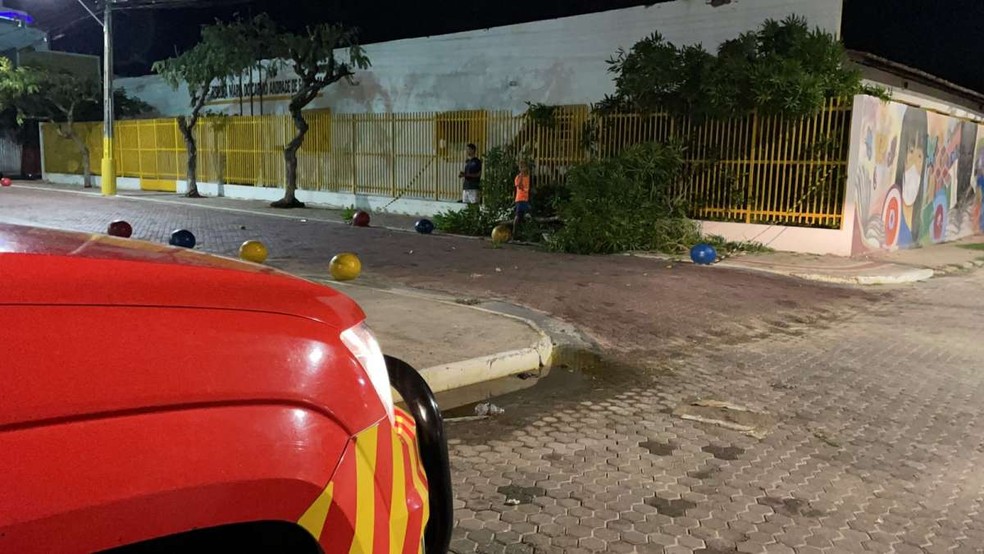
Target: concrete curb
[909,275]
[474,371]
[954,268]
[901,276]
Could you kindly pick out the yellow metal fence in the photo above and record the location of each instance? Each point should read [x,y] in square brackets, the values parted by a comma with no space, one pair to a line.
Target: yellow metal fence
[753,170]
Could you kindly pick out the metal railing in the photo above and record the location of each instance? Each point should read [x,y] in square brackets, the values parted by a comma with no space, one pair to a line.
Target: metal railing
[753,170]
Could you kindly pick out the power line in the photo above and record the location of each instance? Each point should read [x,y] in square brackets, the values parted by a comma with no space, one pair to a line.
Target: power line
[175,4]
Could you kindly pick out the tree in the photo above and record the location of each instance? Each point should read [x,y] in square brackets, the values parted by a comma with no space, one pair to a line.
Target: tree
[62,97]
[312,56]
[222,52]
[783,68]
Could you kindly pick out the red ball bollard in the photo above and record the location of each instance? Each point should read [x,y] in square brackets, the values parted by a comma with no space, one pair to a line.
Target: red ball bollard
[120,228]
[6,182]
[361,219]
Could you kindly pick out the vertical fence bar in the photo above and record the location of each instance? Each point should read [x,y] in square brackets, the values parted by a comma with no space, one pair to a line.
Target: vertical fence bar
[752,170]
[352,144]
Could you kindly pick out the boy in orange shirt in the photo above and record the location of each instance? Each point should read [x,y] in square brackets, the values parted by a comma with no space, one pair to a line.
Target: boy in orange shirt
[522,185]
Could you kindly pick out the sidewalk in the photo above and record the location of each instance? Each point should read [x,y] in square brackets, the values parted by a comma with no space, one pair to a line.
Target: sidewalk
[314,212]
[887,268]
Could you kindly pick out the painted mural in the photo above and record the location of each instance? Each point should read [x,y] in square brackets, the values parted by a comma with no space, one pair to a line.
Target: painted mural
[918,178]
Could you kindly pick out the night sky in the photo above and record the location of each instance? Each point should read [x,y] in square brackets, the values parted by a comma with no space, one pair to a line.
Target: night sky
[942,38]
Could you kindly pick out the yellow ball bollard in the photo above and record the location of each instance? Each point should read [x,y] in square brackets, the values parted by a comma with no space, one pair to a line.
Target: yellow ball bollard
[345,267]
[501,233]
[253,251]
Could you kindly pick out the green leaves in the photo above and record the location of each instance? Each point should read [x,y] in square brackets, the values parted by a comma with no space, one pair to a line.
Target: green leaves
[625,203]
[784,68]
[225,50]
[230,49]
[42,93]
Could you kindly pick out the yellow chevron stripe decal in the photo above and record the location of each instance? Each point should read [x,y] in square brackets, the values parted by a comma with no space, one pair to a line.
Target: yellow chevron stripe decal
[365,514]
[399,515]
[314,518]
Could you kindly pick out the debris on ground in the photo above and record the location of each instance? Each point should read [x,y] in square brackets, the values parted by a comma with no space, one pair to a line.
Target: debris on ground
[465,418]
[488,409]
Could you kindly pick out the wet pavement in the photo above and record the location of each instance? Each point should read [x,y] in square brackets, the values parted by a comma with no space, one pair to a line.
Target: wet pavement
[871,443]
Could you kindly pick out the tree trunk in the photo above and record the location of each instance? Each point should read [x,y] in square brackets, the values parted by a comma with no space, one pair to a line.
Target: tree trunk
[86,167]
[69,132]
[187,131]
[290,158]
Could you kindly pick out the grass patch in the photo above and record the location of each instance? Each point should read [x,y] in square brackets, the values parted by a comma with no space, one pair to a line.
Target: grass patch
[979,246]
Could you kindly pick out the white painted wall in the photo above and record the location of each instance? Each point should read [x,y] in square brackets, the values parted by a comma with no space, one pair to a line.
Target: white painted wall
[368,202]
[560,61]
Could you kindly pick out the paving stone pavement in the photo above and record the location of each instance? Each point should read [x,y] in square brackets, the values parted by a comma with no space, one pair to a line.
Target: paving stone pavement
[877,447]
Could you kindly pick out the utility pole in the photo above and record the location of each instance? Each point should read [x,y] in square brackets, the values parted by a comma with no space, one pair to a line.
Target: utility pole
[108,163]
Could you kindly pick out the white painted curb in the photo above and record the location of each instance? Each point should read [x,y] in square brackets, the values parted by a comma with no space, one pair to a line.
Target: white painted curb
[474,371]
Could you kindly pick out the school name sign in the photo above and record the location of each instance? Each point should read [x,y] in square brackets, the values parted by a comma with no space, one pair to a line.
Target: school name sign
[226,91]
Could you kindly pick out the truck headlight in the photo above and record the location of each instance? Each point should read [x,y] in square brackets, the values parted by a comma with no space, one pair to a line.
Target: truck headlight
[363,345]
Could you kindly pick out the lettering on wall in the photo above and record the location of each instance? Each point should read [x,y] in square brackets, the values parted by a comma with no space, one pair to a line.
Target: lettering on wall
[226,91]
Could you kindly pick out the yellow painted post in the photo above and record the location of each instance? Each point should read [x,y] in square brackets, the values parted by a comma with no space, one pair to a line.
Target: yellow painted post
[177,149]
[752,160]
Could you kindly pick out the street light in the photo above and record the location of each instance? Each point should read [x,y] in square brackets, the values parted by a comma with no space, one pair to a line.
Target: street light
[108,181]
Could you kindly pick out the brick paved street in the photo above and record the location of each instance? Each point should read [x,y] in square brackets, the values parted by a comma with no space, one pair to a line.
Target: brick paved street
[876,446]
[868,405]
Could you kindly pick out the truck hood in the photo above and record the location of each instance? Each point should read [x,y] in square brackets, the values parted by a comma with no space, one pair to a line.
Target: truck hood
[53,267]
[97,326]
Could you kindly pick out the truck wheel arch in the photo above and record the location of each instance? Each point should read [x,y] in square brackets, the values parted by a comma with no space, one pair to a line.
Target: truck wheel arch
[260,537]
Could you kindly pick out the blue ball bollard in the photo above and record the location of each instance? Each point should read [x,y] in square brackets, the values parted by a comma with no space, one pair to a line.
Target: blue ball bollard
[182,238]
[424,226]
[703,254]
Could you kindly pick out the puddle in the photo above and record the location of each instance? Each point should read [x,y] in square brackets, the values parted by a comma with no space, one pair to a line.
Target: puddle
[729,453]
[702,473]
[790,507]
[521,495]
[672,508]
[571,371]
[460,403]
[658,448]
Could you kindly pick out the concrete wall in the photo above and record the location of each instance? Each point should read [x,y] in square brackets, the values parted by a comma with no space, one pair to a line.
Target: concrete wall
[924,96]
[561,61]
[805,240]
[915,177]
